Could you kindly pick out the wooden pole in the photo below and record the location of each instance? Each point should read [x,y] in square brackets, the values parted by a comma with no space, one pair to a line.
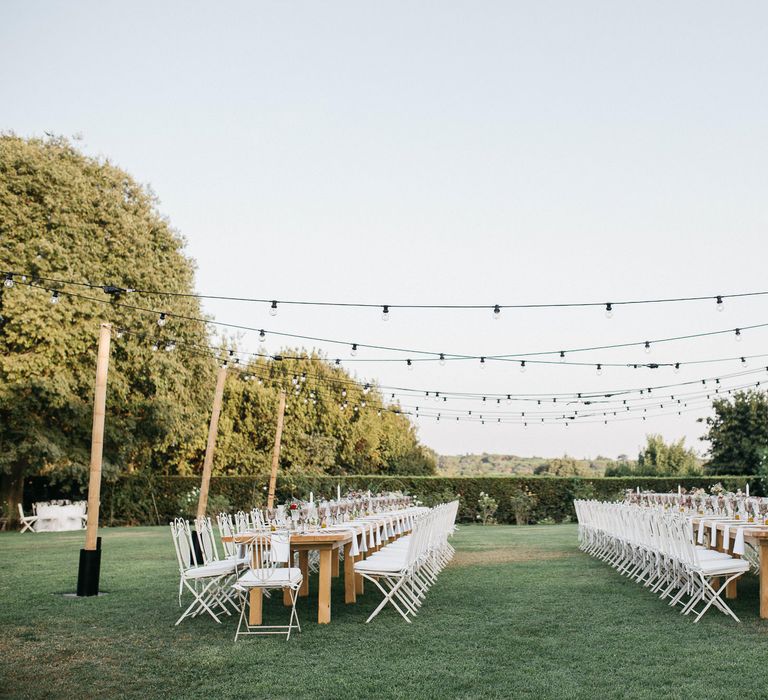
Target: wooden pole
[276,450]
[213,430]
[97,436]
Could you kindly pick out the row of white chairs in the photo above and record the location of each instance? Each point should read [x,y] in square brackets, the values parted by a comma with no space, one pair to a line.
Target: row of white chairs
[219,580]
[656,548]
[405,569]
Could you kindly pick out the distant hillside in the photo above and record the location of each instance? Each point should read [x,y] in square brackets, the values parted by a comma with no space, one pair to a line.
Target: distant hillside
[499,465]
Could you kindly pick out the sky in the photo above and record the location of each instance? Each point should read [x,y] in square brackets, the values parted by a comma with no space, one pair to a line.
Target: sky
[441,153]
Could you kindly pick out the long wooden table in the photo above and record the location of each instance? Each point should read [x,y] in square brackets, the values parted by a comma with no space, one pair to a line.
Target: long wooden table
[327,544]
[756,535]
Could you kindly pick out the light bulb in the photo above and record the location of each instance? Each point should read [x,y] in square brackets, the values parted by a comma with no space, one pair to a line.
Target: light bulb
[647,347]
[8,280]
[738,335]
[482,363]
[719,304]
[170,346]
[562,356]
[496,312]
[509,398]
[409,364]
[744,361]
[522,366]
[54,297]
[120,333]
[677,368]
[161,321]
[353,352]
[609,310]
[385,313]
[262,336]
[599,369]
[155,347]
[442,360]
[273,308]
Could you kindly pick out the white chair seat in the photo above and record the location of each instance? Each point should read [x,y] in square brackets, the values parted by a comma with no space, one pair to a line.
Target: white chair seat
[216,569]
[267,578]
[721,566]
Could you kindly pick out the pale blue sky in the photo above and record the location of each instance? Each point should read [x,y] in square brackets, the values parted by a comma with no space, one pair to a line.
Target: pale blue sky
[468,152]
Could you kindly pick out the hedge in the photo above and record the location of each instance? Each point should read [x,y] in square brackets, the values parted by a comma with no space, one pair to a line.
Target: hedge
[138,500]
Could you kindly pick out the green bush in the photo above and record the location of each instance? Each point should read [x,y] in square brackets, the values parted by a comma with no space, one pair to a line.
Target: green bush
[138,500]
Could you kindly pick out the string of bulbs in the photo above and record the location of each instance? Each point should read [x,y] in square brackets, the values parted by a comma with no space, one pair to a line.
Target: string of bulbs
[495,309]
[522,359]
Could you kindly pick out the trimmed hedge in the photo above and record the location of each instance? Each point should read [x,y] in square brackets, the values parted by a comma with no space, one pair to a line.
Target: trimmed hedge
[138,500]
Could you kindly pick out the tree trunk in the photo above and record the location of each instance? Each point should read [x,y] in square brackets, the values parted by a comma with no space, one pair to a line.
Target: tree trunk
[12,492]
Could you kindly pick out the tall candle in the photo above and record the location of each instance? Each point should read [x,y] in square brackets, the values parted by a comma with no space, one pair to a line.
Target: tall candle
[747,490]
[679,490]
[311,498]
[338,492]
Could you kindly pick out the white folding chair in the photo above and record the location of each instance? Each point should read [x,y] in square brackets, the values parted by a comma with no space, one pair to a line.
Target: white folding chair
[203,581]
[27,521]
[267,551]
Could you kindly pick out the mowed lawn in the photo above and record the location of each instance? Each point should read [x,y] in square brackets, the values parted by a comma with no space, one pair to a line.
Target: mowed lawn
[519,613]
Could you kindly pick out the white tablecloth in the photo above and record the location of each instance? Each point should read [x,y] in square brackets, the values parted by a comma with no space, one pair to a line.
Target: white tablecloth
[59,518]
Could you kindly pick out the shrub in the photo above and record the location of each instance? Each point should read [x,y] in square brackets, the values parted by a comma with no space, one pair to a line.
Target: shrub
[137,499]
[486,509]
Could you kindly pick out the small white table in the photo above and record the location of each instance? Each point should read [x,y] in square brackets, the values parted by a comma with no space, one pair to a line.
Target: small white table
[59,518]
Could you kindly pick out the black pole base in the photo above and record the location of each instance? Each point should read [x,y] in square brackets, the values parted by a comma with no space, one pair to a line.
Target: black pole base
[89,570]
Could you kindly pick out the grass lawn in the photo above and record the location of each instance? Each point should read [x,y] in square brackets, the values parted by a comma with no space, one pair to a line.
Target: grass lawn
[519,613]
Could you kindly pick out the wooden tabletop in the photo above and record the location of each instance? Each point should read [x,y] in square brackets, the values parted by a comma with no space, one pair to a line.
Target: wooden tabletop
[753,530]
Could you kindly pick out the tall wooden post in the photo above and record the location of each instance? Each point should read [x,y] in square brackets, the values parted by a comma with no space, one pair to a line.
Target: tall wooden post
[276,450]
[213,430]
[90,556]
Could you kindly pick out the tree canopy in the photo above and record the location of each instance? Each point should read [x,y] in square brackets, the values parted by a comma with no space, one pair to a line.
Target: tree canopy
[738,434]
[67,216]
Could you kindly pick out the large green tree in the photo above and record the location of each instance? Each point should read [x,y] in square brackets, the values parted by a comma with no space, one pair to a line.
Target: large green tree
[65,215]
[738,434]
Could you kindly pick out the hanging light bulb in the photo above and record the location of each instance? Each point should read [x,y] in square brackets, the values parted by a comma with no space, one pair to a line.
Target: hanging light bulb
[120,333]
[161,321]
[366,388]
[262,336]
[54,297]
[647,347]
[273,308]
[442,359]
[155,346]
[562,356]
[522,366]
[609,310]
[8,279]
[676,368]
[353,352]
[343,392]
[719,303]
[482,363]
[409,364]
[385,313]
[509,398]
[744,361]
[170,346]
[738,335]
[599,369]
[496,312]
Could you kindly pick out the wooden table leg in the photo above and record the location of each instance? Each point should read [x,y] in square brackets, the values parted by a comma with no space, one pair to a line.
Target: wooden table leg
[764,579]
[304,566]
[715,583]
[359,580]
[335,563]
[324,589]
[254,610]
[349,575]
